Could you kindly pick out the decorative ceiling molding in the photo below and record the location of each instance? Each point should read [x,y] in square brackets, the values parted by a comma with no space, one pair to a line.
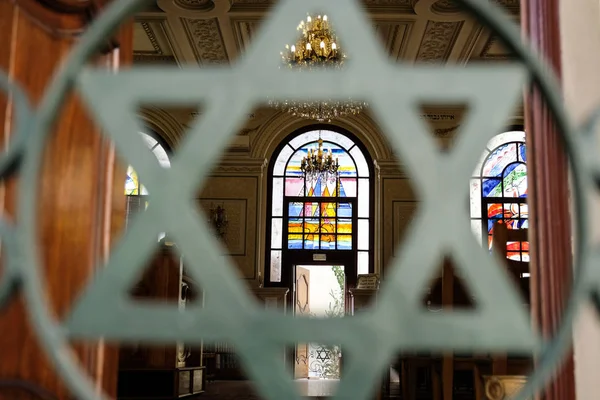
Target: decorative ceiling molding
[153,40]
[154,59]
[470,44]
[244,30]
[197,5]
[398,6]
[207,40]
[486,53]
[438,41]
[446,6]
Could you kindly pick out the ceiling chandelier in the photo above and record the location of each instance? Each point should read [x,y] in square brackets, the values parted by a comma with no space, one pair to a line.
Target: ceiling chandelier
[320,163]
[316,47]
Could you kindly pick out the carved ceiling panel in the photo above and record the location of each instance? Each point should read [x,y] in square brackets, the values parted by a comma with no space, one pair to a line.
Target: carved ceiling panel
[200,33]
[438,41]
[207,40]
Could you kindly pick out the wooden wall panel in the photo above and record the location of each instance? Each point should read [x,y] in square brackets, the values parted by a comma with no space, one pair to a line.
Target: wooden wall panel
[77,203]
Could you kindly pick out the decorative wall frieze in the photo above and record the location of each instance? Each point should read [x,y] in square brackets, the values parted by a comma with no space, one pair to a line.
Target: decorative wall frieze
[439,116]
[207,40]
[438,41]
[241,166]
[390,169]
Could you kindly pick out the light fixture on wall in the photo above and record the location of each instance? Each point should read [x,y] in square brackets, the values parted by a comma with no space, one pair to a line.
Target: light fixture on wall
[317,47]
[218,219]
[320,163]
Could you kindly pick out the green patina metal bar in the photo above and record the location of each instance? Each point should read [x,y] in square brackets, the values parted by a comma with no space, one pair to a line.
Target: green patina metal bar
[394,93]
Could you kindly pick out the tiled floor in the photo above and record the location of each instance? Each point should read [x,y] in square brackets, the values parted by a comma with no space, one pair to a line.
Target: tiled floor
[243,390]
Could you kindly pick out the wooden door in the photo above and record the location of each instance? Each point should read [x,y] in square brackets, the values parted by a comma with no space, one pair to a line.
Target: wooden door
[302,309]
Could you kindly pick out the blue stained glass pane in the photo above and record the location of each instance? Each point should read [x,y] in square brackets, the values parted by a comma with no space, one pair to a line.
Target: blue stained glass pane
[523,152]
[295,209]
[491,188]
[344,210]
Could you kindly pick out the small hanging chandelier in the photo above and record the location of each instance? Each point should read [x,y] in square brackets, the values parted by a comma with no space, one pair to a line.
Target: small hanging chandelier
[320,163]
[317,47]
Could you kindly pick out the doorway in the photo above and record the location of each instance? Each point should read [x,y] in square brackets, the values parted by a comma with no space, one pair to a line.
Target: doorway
[319,292]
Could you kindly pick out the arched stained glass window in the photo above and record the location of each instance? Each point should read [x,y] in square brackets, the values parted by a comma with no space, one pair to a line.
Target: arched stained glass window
[135,192]
[322,214]
[499,191]
[132,184]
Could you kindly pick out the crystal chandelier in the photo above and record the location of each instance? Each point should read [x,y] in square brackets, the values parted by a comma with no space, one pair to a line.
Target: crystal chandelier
[316,47]
[320,163]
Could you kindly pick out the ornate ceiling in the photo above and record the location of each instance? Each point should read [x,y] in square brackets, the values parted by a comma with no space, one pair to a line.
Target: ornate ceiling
[203,32]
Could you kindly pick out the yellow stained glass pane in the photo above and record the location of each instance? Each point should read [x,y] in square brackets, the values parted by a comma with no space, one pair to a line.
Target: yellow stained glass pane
[295,225]
[311,225]
[344,242]
[327,225]
[132,185]
[344,226]
[328,209]
[294,241]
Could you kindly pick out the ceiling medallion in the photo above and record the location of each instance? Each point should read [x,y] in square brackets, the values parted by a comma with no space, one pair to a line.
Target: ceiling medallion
[317,47]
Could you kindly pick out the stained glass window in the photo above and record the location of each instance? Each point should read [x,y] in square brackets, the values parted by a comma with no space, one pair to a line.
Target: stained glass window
[323,213]
[132,184]
[499,191]
[135,192]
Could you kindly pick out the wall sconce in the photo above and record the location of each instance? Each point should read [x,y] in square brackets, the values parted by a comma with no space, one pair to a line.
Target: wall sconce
[218,219]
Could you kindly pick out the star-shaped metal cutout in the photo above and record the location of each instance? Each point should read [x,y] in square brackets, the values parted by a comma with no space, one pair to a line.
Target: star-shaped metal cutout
[440,228]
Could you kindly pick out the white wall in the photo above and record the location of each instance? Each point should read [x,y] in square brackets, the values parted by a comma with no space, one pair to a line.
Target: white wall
[580,42]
